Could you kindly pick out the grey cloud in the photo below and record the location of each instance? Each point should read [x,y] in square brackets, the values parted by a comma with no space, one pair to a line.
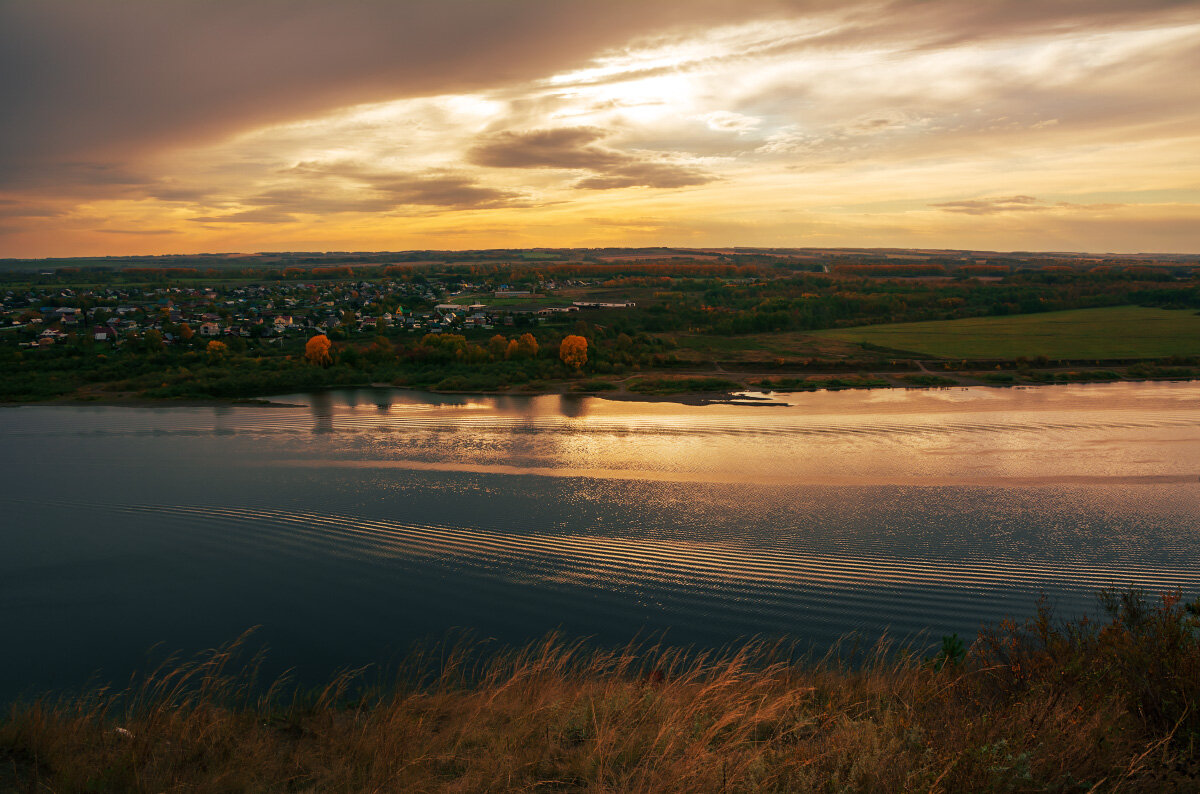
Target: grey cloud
[11,208]
[660,175]
[445,191]
[389,189]
[565,147]
[995,205]
[322,190]
[578,148]
[989,206]
[109,80]
[149,232]
[247,216]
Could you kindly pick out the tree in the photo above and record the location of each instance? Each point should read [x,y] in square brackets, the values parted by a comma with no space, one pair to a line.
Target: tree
[527,345]
[186,332]
[217,350]
[573,351]
[496,347]
[316,350]
[381,351]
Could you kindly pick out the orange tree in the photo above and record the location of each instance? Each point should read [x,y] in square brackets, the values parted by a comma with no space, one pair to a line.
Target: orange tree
[216,350]
[527,345]
[573,351]
[316,350]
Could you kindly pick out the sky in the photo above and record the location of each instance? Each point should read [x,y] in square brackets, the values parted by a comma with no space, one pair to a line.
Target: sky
[186,126]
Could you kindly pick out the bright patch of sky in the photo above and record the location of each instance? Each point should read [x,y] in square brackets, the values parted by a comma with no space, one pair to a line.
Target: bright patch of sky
[817,127]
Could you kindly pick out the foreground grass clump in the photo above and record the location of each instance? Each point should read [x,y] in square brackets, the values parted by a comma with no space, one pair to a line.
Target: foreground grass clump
[1034,706]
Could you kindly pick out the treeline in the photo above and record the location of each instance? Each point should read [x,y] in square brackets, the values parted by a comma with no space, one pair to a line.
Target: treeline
[239,367]
[812,302]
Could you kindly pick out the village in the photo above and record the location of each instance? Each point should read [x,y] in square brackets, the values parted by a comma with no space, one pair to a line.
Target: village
[42,317]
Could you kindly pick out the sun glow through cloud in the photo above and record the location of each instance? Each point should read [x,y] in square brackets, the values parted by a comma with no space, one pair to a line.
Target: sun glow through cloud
[821,127]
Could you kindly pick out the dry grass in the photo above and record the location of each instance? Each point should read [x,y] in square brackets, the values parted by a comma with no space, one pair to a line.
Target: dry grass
[1031,707]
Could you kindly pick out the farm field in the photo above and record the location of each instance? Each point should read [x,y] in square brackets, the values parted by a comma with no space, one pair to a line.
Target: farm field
[1109,333]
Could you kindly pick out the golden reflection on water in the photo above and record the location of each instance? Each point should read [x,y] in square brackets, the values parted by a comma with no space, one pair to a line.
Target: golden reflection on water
[1095,434]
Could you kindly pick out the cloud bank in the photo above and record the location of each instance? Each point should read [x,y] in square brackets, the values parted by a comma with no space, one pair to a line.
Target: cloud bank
[144,126]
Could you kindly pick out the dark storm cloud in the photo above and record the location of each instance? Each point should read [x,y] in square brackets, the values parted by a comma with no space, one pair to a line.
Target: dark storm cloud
[104,82]
[578,148]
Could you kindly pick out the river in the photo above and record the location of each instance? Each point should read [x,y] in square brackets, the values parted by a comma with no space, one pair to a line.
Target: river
[355,522]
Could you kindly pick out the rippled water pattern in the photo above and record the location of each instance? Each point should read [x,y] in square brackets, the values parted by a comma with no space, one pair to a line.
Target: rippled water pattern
[354,522]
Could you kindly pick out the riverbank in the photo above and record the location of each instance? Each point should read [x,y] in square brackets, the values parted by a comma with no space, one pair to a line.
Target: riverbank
[700,387]
[1108,705]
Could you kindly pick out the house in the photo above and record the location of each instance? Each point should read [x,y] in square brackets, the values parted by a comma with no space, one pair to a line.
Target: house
[210,329]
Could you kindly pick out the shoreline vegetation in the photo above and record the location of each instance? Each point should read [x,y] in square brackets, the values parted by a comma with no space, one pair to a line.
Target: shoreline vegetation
[634,324]
[1104,705]
[683,393]
[720,386]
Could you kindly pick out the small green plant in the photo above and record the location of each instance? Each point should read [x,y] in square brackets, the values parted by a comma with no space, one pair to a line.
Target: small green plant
[953,652]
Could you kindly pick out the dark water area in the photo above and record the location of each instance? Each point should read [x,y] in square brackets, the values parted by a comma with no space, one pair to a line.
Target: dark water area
[361,521]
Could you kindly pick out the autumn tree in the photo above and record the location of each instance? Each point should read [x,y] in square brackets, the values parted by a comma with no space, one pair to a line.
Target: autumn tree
[317,350]
[527,345]
[381,351]
[217,350]
[496,347]
[573,351]
[186,332]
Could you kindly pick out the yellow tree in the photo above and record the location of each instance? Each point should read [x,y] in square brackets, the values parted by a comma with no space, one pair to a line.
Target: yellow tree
[496,347]
[527,345]
[573,351]
[316,350]
[216,350]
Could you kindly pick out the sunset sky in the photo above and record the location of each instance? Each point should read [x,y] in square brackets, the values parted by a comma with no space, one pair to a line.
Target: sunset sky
[176,126]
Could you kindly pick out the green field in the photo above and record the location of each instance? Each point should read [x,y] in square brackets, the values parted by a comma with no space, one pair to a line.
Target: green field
[1118,332]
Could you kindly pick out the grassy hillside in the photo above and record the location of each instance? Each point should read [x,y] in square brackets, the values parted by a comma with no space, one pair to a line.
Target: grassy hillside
[1098,706]
[1118,332]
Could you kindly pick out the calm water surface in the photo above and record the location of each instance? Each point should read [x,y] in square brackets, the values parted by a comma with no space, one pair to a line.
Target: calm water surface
[363,520]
